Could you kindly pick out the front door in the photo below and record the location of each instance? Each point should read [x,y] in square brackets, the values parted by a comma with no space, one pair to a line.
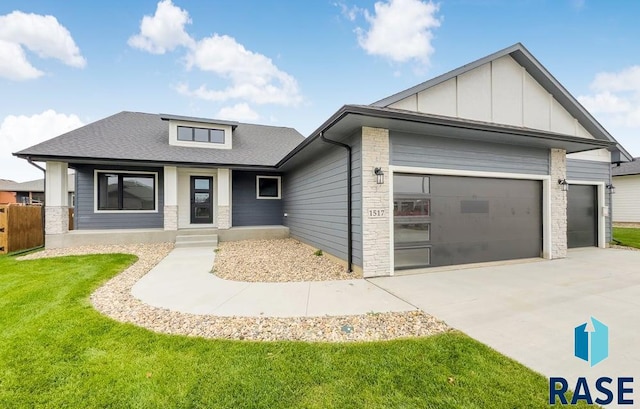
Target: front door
[201,199]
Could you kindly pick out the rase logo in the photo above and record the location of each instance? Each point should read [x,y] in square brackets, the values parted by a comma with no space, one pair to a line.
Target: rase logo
[592,346]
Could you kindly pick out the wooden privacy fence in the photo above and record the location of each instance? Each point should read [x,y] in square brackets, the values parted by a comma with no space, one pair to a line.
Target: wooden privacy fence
[20,228]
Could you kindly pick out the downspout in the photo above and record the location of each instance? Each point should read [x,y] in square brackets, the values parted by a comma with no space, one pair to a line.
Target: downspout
[349,201]
[44,199]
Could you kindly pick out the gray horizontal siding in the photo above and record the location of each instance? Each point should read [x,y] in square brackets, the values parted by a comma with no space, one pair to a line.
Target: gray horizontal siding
[85,217]
[587,170]
[315,200]
[444,153]
[246,210]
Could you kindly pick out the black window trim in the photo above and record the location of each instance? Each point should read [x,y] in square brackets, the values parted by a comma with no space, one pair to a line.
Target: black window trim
[122,174]
[193,128]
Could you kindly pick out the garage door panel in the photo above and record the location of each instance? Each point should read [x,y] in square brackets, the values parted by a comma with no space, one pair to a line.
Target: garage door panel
[482,219]
[478,252]
[582,228]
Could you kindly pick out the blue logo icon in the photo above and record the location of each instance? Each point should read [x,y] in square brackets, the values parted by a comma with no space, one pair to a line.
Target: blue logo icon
[591,345]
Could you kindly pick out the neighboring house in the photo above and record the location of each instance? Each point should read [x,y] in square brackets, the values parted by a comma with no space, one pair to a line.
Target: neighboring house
[7,196]
[626,203]
[31,192]
[471,166]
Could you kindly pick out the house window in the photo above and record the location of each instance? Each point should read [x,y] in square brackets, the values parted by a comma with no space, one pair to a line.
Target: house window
[126,191]
[268,187]
[191,134]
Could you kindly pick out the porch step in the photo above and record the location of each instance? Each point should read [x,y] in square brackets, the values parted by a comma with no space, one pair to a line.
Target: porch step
[197,240]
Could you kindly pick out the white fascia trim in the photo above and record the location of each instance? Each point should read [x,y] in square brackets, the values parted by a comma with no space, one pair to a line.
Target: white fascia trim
[546,198]
[278,178]
[173,135]
[602,203]
[136,172]
[471,173]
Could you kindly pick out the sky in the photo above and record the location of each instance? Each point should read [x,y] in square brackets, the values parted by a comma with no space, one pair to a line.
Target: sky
[64,64]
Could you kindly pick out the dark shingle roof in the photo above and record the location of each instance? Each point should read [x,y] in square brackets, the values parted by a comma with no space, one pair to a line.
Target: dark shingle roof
[145,137]
[627,168]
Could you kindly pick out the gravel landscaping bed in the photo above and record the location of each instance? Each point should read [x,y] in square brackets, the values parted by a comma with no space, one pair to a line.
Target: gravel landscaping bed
[114,299]
[281,260]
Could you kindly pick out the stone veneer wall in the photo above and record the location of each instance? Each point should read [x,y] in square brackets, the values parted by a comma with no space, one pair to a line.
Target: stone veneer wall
[56,219]
[558,165]
[224,217]
[171,217]
[376,245]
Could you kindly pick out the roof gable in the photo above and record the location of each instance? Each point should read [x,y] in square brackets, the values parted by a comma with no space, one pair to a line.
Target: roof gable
[509,87]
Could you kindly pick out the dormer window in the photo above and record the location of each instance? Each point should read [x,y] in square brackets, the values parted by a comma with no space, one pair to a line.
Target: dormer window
[187,133]
[191,132]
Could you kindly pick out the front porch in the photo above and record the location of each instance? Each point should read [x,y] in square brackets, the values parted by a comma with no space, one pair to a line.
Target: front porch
[77,238]
[125,204]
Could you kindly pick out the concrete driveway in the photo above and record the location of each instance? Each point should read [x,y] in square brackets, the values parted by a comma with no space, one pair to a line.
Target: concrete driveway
[528,311]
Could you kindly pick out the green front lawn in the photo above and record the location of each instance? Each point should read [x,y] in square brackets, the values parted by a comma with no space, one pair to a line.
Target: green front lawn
[57,351]
[626,236]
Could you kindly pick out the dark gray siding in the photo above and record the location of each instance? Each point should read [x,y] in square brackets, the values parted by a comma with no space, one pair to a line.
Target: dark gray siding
[316,203]
[246,209]
[85,217]
[443,153]
[592,171]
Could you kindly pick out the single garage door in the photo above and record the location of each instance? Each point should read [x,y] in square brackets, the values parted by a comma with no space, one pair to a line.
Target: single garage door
[582,223]
[448,220]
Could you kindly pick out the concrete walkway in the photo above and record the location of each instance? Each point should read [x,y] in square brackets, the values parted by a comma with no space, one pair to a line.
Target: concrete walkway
[183,282]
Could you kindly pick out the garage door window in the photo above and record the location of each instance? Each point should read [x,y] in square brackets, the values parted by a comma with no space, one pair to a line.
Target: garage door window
[412,221]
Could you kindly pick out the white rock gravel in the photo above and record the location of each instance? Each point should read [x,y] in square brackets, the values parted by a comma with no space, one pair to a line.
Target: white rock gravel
[281,260]
[114,299]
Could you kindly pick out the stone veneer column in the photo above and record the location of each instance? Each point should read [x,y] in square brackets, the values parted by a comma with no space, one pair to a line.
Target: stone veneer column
[375,198]
[56,211]
[558,161]
[223,215]
[170,198]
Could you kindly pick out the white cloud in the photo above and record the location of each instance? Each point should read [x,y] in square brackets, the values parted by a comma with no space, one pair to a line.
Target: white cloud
[615,102]
[20,131]
[14,64]
[43,35]
[164,31]
[400,30]
[251,76]
[349,12]
[238,112]
[616,96]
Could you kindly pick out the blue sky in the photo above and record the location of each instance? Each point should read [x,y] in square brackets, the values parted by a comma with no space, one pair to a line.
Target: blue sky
[289,63]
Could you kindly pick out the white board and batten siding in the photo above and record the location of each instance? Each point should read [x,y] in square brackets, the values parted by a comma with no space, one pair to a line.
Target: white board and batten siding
[626,201]
[500,91]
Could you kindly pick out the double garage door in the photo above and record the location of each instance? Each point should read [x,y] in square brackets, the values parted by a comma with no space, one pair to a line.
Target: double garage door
[449,220]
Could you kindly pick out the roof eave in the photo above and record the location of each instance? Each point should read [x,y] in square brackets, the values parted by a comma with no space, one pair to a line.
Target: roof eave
[387,113]
[144,162]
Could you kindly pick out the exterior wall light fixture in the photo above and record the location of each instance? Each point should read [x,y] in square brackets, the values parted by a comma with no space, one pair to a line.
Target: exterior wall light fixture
[379,175]
[563,184]
[611,188]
